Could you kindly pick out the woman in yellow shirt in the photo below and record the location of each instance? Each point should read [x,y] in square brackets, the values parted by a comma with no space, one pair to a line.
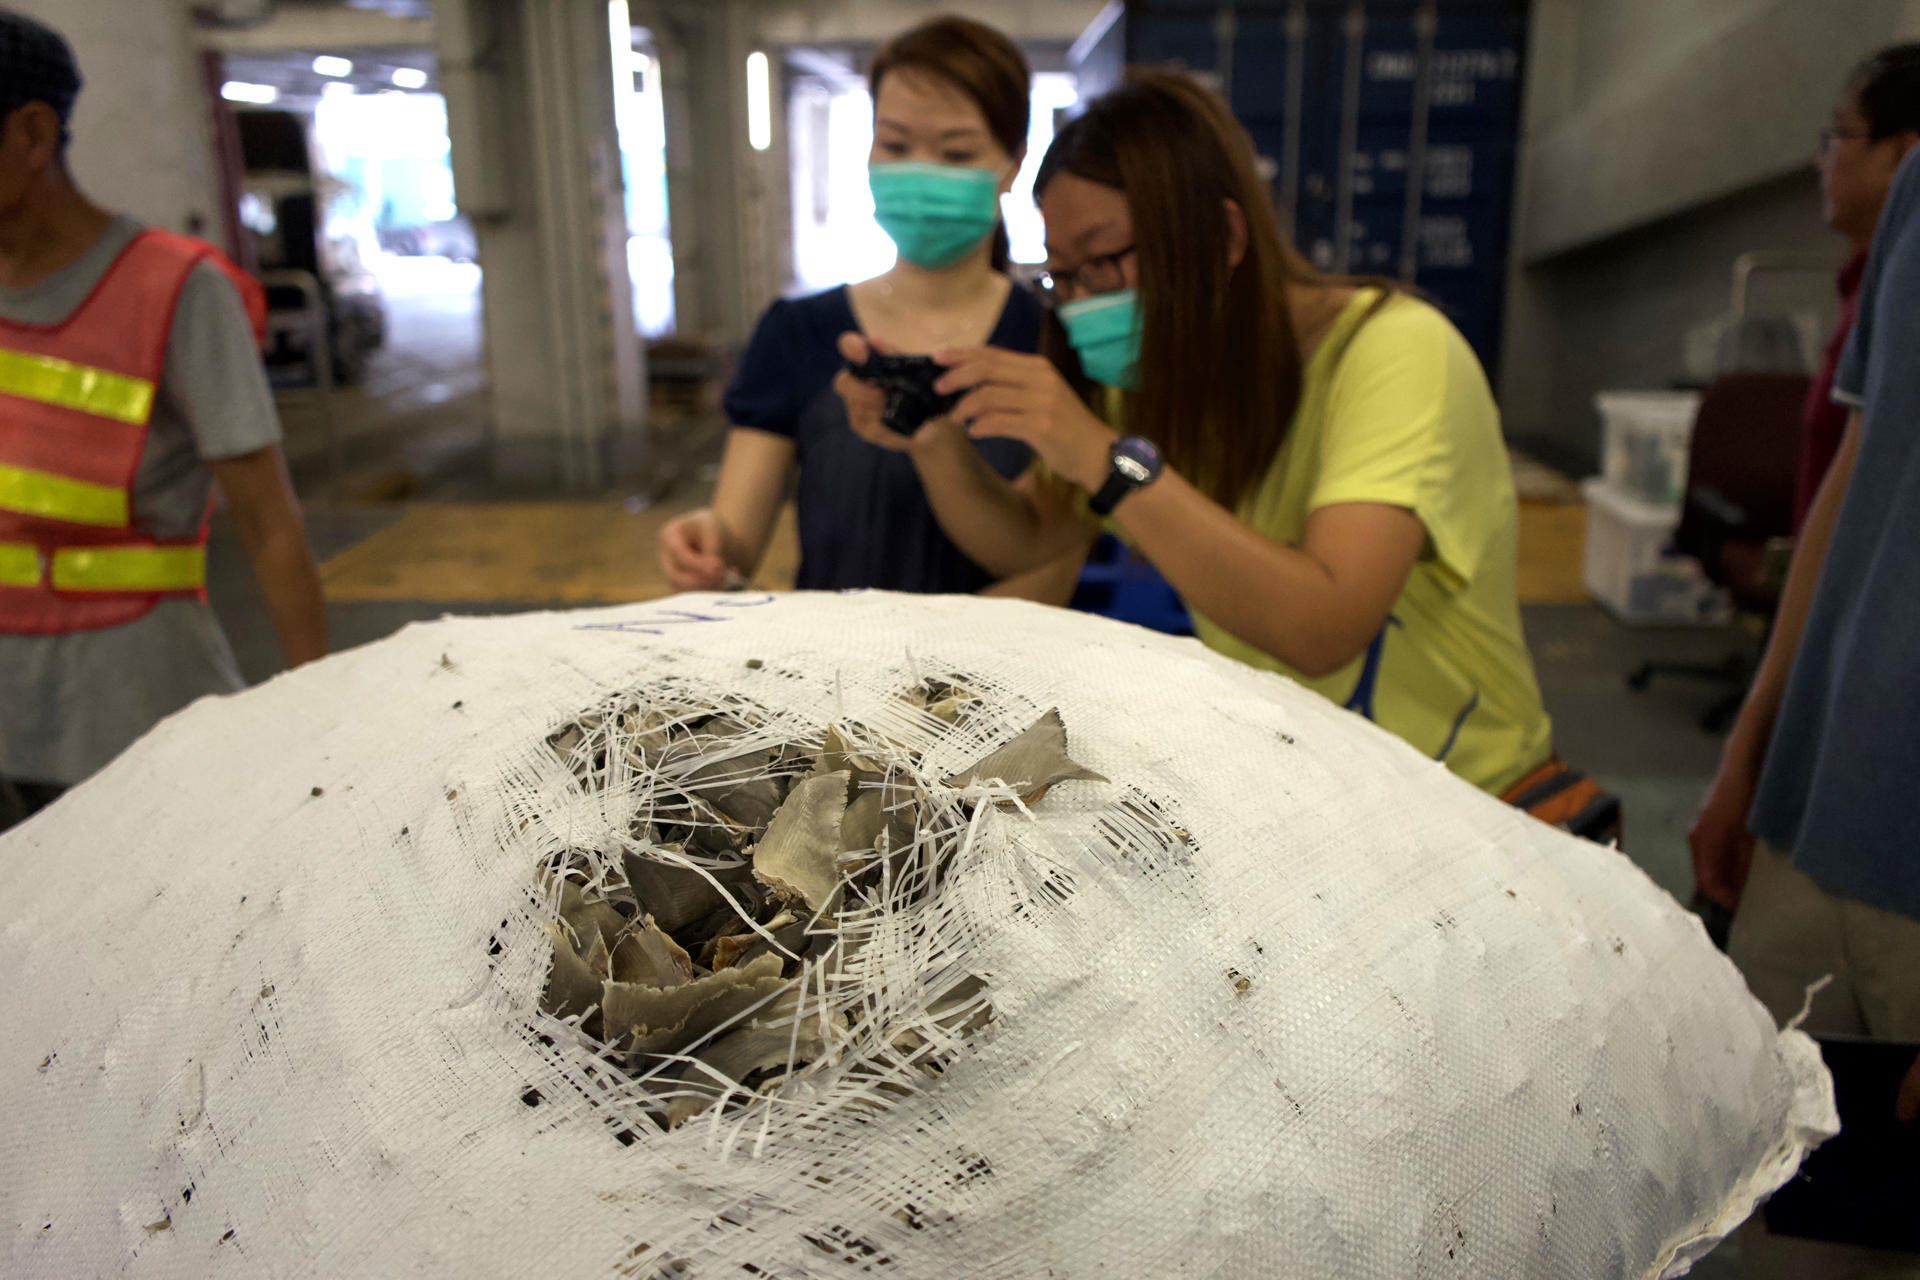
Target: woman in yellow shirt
[1317,464]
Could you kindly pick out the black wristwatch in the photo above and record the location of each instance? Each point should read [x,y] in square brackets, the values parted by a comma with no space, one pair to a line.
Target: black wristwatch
[1132,463]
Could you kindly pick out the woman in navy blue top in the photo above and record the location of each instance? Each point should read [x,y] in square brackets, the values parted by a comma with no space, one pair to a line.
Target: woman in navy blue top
[950,124]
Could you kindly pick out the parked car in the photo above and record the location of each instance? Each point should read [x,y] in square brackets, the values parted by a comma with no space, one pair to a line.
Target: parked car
[450,238]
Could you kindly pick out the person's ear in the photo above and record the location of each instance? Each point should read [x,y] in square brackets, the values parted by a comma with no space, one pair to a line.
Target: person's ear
[1236,233]
[39,134]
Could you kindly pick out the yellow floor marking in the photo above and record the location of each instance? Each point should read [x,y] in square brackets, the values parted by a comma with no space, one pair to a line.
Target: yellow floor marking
[574,552]
[1552,539]
[600,553]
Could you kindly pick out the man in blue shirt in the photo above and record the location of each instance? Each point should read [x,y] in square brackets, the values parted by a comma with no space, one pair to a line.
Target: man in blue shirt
[1823,764]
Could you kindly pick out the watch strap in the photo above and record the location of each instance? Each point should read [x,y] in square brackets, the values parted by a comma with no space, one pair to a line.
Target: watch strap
[1108,495]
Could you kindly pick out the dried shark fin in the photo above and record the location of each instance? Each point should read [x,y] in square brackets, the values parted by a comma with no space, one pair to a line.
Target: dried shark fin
[950,708]
[789,930]
[645,741]
[725,952]
[886,807]
[646,956]
[799,856]
[744,838]
[1031,763]
[675,895]
[770,1038]
[703,829]
[599,959]
[749,903]
[725,949]
[838,755]
[735,928]
[666,1020]
[572,986]
[940,699]
[740,788]
[588,918]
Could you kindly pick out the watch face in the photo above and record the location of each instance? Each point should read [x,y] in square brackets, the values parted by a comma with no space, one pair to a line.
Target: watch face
[1140,452]
[1132,469]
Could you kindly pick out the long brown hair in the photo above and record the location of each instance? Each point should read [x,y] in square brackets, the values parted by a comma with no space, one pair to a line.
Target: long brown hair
[981,63]
[1219,374]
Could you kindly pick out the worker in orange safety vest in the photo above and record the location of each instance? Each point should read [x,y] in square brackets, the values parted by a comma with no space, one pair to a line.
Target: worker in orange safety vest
[130,384]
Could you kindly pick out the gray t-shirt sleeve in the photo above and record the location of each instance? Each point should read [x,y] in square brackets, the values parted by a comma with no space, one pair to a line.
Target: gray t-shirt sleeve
[214,379]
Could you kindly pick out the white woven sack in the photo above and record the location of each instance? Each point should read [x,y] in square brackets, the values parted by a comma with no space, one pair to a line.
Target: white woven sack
[273,989]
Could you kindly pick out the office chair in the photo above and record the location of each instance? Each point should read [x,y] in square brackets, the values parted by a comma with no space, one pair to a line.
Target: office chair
[1737,514]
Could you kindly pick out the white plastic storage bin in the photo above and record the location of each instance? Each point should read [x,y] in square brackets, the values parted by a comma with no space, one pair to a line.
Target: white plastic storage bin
[1629,567]
[1645,436]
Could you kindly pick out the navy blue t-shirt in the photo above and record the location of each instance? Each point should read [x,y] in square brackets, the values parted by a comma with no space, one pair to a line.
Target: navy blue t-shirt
[1841,768]
[864,518]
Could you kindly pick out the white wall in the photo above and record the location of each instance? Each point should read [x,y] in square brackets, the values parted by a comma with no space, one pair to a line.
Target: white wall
[1639,109]
[142,139]
[1660,139]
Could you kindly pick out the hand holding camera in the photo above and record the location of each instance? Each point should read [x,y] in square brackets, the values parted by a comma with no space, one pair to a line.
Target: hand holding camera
[889,396]
[907,382]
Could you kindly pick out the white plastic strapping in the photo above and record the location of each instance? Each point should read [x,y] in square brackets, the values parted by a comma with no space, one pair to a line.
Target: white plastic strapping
[273,981]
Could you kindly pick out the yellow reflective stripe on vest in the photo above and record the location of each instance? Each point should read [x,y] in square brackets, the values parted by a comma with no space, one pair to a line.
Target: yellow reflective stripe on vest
[129,568]
[106,568]
[52,380]
[42,493]
[19,564]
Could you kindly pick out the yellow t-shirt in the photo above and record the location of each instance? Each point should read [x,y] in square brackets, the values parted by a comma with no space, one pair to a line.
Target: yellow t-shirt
[1400,413]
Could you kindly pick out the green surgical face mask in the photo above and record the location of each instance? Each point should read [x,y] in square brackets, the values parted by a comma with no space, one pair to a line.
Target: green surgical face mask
[1104,331]
[934,213]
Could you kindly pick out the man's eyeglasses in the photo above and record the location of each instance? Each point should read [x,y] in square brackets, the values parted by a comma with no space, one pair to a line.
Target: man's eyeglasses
[1102,274]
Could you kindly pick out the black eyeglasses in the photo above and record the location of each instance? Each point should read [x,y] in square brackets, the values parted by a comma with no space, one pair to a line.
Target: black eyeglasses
[1832,134]
[1097,275]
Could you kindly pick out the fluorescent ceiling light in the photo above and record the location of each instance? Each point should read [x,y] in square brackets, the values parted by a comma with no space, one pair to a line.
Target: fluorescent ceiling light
[328,65]
[759,103]
[409,78]
[241,91]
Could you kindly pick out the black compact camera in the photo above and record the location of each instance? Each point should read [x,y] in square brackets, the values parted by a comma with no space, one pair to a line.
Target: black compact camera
[908,382]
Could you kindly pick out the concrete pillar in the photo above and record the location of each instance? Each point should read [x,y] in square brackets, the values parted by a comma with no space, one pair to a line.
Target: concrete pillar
[142,127]
[529,90]
[731,253]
